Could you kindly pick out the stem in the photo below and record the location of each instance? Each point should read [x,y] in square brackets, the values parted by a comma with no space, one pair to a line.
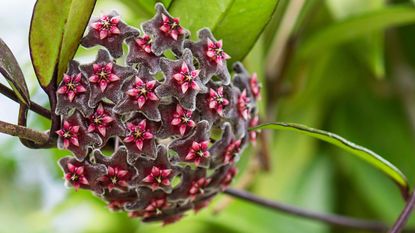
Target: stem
[33,106]
[337,220]
[23,132]
[403,217]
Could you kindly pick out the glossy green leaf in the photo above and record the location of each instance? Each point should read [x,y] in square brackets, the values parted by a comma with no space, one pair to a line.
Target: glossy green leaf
[12,72]
[238,23]
[365,154]
[243,24]
[355,27]
[55,31]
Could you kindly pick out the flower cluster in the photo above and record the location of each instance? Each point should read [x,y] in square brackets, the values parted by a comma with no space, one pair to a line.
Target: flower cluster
[166,159]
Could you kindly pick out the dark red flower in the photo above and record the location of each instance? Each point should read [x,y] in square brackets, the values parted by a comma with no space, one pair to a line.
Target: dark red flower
[253,133]
[215,51]
[69,134]
[198,187]
[198,152]
[71,86]
[115,178]
[144,42]
[155,207]
[138,133]
[217,101]
[99,121]
[107,26]
[243,105]
[255,88]
[171,26]
[143,91]
[182,119]
[232,150]
[76,176]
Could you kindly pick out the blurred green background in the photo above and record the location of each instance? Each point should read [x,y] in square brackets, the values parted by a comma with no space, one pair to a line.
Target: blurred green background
[345,66]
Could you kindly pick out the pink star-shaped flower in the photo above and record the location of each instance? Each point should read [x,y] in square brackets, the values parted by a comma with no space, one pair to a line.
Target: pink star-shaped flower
[215,51]
[158,177]
[217,100]
[69,133]
[197,187]
[138,134]
[107,26]
[186,78]
[253,133]
[198,152]
[115,178]
[155,207]
[182,119]
[99,121]
[76,176]
[71,86]
[142,91]
[103,75]
[255,88]
[227,179]
[144,42]
[232,150]
[243,102]
[171,27]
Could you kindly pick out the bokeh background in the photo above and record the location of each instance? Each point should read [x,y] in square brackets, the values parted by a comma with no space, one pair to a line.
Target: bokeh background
[346,66]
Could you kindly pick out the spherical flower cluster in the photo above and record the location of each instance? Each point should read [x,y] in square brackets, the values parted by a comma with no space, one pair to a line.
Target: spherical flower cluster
[166,159]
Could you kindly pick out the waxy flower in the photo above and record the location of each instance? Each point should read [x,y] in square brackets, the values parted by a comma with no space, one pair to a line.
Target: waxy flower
[243,105]
[107,26]
[211,57]
[181,80]
[198,187]
[73,91]
[165,31]
[71,86]
[110,32]
[76,176]
[105,78]
[99,121]
[162,114]
[217,100]
[155,207]
[143,91]
[116,177]
[198,152]
[144,43]
[186,78]
[182,119]
[232,151]
[69,134]
[215,51]
[138,133]
[158,177]
[103,75]
[171,26]
[253,133]
[255,88]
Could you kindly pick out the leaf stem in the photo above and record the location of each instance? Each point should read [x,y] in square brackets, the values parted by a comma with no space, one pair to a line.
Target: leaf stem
[403,217]
[337,220]
[33,106]
[23,132]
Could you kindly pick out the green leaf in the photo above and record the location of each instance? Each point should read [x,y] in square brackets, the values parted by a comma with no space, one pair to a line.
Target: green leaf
[241,27]
[55,31]
[238,23]
[356,27]
[365,154]
[12,72]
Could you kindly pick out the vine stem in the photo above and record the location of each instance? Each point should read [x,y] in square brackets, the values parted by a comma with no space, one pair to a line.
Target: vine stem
[403,217]
[33,106]
[369,225]
[23,132]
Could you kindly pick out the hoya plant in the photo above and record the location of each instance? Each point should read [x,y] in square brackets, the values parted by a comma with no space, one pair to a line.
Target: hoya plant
[156,123]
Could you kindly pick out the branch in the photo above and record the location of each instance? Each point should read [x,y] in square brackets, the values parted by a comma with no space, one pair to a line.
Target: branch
[23,132]
[337,220]
[33,106]
[403,217]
